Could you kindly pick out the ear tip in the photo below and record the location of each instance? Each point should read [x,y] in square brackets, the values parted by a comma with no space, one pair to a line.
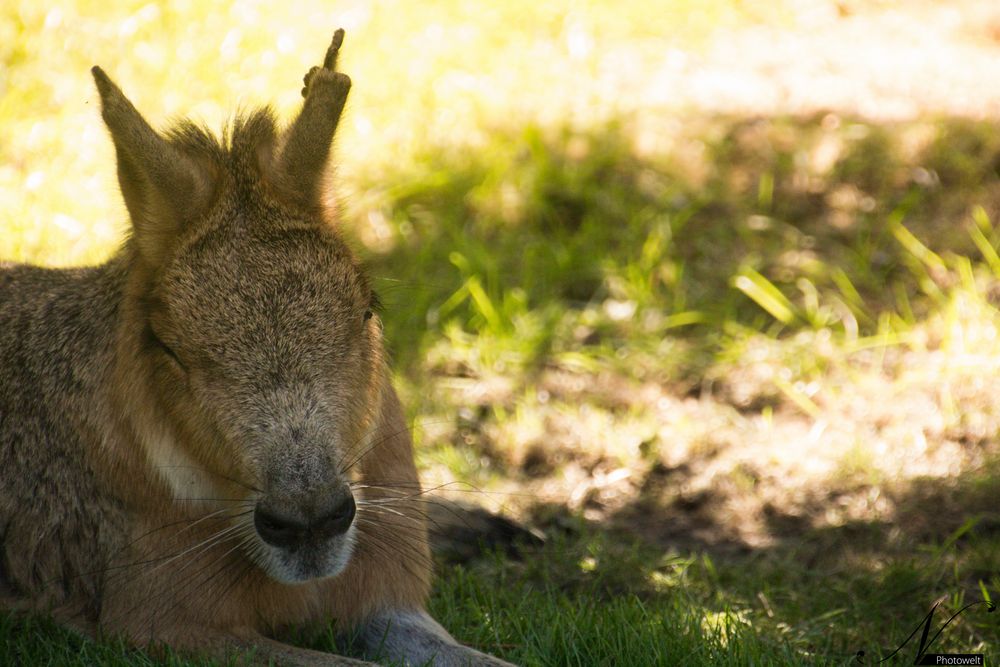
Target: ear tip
[103,81]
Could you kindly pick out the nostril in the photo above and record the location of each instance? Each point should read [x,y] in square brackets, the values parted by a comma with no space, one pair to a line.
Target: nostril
[282,531]
[277,530]
[337,520]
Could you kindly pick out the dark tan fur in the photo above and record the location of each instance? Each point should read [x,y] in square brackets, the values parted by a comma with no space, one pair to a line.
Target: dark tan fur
[223,363]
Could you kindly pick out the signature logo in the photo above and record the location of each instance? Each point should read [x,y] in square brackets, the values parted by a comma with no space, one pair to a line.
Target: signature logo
[924,627]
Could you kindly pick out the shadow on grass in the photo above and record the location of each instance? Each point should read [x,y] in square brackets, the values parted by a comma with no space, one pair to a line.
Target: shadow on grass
[505,239]
[814,595]
[830,590]
[555,249]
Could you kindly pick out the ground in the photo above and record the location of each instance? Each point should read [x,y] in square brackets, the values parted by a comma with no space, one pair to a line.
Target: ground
[704,294]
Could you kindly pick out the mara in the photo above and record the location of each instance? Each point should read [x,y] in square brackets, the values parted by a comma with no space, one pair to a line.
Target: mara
[200,447]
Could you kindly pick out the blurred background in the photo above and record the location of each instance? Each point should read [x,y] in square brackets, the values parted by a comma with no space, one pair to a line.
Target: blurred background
[704,292]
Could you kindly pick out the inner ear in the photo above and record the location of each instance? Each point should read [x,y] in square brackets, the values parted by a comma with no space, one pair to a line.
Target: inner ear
[163,185]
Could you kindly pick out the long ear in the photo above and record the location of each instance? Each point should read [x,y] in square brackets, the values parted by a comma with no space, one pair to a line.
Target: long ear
[305,146]
[163,188]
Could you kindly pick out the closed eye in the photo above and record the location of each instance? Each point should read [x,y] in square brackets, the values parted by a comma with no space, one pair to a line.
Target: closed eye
[374,306]
[157,342]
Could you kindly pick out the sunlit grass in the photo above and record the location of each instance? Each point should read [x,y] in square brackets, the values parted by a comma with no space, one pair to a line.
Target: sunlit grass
[444,73]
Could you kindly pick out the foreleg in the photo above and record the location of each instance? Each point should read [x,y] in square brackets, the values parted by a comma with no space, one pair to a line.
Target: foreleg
[412,637]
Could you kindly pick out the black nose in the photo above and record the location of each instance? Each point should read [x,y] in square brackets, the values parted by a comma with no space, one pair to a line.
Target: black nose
[282,530]
[336,520]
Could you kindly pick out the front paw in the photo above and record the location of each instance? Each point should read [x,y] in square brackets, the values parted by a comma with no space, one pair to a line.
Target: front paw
[413,638]
[463,656]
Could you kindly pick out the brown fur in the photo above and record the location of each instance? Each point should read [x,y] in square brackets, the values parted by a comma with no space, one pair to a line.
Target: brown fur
[224,363]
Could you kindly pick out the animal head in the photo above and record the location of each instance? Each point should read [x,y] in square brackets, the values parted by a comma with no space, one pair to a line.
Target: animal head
[251,320]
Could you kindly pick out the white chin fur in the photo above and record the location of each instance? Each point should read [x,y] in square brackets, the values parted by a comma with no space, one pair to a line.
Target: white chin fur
[305,563]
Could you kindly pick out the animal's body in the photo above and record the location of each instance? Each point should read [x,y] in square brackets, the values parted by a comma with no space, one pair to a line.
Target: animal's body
[199,443]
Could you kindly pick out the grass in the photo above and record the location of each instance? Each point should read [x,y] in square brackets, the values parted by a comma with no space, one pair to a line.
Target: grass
[745,386]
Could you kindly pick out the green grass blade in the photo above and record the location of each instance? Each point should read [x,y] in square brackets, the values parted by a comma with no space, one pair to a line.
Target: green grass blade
[764,293]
